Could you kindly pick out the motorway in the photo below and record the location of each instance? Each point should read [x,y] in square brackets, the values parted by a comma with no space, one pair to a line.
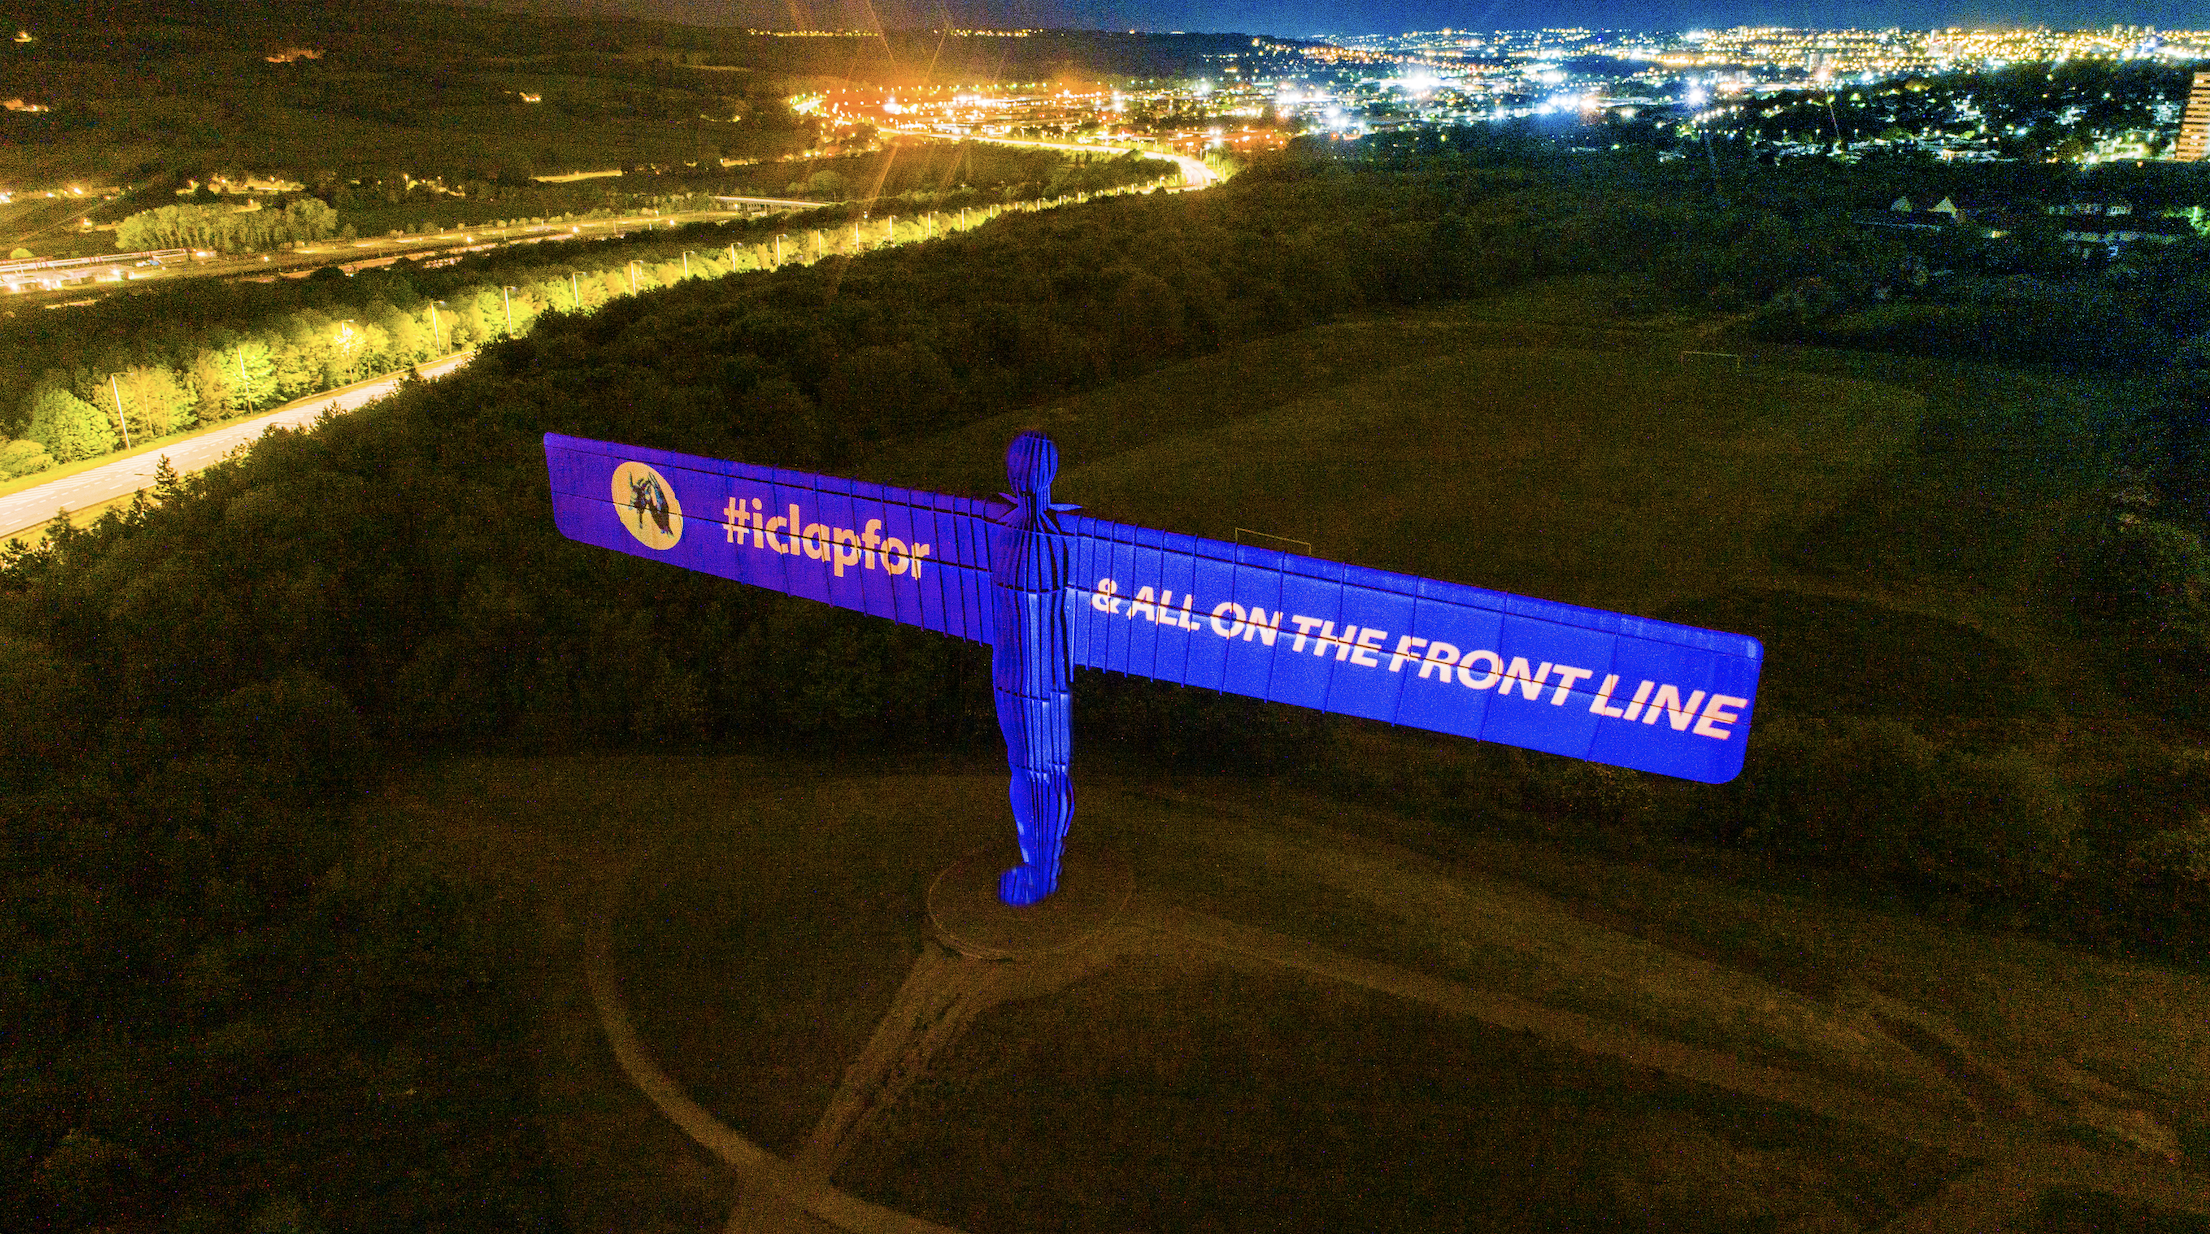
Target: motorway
[384,249]
[124,476]
[345,252]
[381,250]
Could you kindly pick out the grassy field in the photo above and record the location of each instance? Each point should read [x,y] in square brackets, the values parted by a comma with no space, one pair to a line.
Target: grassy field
[1167,1097]
[1885,525]
[1540,443]
[772,910]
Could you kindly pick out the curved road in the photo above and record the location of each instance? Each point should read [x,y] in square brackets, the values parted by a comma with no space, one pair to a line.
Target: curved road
[127,475]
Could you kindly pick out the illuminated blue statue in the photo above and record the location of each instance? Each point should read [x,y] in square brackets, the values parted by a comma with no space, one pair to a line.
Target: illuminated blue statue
[1032,611]
[1048,594]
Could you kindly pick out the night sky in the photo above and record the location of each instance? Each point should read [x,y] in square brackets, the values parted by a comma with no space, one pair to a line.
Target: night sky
[1312,17]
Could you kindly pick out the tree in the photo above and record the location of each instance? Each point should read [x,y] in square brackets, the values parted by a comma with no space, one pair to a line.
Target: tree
[1150,319]
[880,391]
[67,426]
[302,358]
[408,337]
[310,218]
[256,368]
[298,734]
[21,458]
[2147,571]
[225,229]
[214,386]
[158,404]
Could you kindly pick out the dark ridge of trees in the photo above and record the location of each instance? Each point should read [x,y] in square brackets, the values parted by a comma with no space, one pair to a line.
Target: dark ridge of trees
[202,684]
[435,90]
[653,53]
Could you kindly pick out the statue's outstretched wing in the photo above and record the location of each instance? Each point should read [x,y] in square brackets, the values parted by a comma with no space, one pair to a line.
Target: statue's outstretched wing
[915,557]
[1607,687]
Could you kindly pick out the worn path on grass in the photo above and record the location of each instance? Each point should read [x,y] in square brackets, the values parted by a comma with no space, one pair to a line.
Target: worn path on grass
[775,1193]
[1873,1050]
[2022,1165]
[1989,1120]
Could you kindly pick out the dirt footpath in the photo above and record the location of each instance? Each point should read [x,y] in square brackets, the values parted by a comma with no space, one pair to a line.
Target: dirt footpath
[946,991]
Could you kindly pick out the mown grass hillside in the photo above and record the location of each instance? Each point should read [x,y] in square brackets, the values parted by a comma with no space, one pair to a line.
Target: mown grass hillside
[1704,1054]
[1905,536]
[1599,465]
[761,944]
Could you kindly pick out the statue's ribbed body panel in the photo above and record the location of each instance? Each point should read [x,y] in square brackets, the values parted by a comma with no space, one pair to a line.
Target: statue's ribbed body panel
[1030,663]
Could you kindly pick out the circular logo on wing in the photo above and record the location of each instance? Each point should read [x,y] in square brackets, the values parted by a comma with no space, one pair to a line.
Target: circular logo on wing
[646,503]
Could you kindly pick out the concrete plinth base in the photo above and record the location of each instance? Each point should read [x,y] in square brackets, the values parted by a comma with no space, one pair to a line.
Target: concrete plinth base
[966,915]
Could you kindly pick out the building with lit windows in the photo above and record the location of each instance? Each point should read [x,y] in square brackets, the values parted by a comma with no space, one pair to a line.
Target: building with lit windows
[2194,126]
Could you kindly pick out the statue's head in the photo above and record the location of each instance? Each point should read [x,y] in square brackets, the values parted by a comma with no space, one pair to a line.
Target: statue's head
[1030,463]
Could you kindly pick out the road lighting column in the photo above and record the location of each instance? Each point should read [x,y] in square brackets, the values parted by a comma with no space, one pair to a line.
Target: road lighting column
[118,392]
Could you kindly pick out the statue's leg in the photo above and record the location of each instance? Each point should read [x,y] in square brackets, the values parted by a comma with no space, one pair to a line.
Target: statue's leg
[1041,793]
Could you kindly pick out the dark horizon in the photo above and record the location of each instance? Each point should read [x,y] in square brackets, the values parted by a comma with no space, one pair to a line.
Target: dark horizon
[1367,17]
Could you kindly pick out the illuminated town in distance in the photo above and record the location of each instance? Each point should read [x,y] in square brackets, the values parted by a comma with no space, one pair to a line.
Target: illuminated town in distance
[1742,79]
[1777,53]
